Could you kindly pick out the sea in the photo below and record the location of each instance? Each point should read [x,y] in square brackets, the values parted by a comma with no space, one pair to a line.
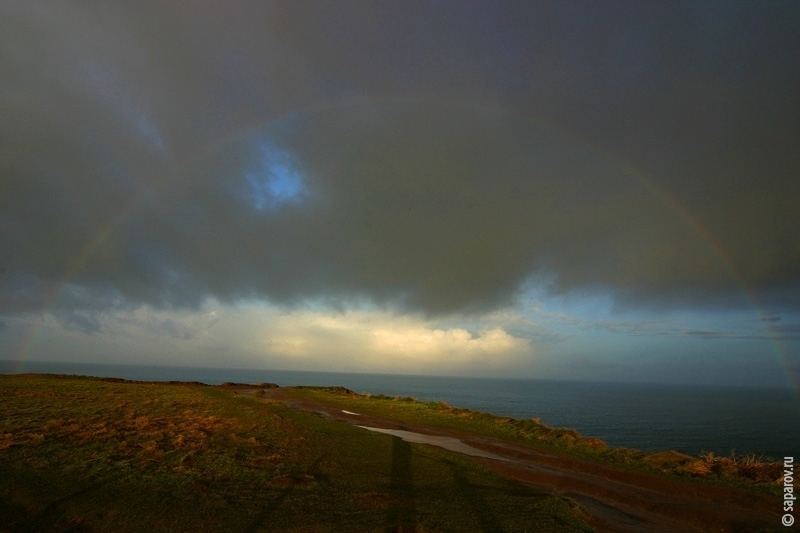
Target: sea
[689,419]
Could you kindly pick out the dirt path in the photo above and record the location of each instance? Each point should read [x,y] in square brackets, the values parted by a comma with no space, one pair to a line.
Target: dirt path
[616,500]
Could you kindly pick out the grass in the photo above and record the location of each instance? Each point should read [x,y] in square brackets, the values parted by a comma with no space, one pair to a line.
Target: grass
[749,472]
[84,454]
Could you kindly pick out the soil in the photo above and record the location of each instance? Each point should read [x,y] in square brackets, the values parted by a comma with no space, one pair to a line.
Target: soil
[613,500]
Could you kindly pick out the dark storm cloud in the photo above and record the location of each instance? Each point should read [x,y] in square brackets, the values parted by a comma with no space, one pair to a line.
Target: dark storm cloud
[396,152]
[80,321]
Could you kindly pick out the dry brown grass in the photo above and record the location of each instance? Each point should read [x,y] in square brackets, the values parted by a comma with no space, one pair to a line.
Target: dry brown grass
[87,454]
[181,430]
[595,443]
[140,423]
[748,466]
[707,465]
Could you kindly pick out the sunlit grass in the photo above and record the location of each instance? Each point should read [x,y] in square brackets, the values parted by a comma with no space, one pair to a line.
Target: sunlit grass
[744,471]
[81,454]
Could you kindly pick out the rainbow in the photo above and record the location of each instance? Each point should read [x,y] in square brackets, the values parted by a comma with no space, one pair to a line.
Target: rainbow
[718,249]
[664,197]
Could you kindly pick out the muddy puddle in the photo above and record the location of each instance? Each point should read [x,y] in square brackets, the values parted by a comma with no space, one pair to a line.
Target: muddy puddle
[448,443]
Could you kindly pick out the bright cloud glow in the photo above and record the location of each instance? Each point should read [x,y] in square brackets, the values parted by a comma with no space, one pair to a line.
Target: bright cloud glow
[525,342]
[260,336]
[426,341]
[383,342]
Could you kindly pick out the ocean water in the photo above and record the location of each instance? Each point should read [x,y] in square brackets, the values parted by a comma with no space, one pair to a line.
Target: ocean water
[690,419]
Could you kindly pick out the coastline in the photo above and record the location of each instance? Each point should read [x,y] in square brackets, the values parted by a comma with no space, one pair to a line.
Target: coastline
[688,419]
[554,461]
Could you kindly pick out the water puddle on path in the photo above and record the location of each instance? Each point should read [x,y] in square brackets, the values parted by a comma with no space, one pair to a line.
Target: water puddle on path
[448,443]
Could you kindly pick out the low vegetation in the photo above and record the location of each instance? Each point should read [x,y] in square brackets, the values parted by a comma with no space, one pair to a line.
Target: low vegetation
[744,471]
[84,454]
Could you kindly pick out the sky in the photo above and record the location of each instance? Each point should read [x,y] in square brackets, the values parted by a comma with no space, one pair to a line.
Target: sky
[571,190]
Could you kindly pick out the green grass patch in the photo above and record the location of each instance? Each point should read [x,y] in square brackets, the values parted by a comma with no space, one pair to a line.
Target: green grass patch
[83,454]
[746,472]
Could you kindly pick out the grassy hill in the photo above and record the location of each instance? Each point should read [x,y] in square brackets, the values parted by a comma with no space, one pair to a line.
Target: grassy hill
[87,454]
[84,454]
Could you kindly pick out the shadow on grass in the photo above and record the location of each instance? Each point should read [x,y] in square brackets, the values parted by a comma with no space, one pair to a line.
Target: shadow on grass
[261,520]
[53,517]
[471,493]
[402,512]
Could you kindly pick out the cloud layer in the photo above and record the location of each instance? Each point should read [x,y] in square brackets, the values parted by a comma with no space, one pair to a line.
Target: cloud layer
[432,158]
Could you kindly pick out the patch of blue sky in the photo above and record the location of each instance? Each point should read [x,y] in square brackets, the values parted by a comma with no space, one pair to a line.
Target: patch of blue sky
[275,180]
[594,315]
[596,304]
